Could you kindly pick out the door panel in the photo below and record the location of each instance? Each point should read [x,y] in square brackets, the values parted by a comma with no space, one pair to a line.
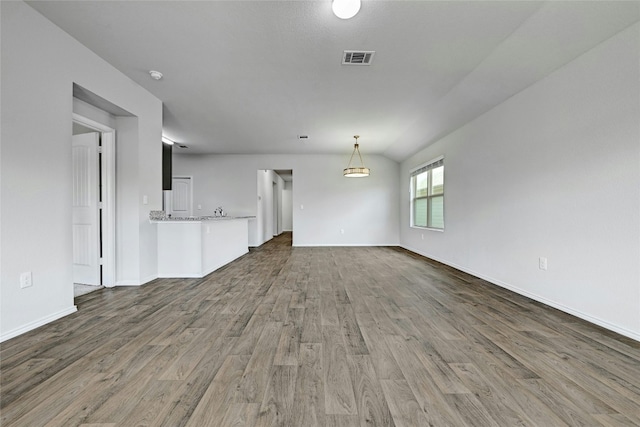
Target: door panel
[85,210]
[181,197]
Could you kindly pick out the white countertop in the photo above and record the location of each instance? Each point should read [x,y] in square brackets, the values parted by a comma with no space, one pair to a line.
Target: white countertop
[197,218]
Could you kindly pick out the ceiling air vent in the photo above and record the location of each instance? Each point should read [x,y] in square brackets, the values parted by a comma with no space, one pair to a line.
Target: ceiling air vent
[353,57]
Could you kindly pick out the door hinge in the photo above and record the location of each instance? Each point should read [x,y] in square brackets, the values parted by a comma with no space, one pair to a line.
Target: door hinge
[100,261]
[99,149]
[100,205]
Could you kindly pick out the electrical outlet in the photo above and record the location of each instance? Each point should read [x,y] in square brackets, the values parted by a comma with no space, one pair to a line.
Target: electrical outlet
[199,207]
[422,236]
[301,207]
[145,200]
[542,263]
[26,280]
[342,231]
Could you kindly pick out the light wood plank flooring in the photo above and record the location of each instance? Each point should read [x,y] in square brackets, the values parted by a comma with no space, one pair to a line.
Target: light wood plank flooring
[319,337]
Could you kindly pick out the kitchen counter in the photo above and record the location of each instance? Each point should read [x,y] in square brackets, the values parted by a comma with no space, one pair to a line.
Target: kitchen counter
[197,246]
[197,218]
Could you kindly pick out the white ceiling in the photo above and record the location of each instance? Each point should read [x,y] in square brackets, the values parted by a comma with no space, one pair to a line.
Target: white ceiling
[250,76]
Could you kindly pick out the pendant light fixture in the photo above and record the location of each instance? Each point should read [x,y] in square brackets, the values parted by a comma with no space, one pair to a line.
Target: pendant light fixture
[356,172]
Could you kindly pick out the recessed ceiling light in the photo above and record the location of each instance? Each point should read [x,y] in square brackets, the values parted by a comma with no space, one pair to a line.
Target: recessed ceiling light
[155,75]
[345,9]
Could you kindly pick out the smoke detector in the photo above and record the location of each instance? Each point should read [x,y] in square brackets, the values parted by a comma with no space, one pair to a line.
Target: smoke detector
[155,75]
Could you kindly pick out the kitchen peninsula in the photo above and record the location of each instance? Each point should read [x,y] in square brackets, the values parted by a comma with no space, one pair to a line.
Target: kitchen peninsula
[197,246]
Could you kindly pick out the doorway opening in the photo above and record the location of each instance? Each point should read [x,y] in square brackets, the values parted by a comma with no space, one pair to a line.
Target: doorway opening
[276,208]
[285,202]
[274,211]
[93,209]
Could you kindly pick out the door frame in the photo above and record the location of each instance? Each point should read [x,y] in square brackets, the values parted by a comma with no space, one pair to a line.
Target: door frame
[108,196]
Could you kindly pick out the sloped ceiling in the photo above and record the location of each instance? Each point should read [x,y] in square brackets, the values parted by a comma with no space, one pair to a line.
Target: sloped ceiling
[248,77]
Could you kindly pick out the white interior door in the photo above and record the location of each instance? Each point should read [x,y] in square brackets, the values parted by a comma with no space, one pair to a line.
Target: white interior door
[181,197]
[85,211]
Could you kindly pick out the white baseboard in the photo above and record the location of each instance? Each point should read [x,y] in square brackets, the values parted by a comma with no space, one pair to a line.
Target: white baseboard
[37,323]
[577,313]
[149,279]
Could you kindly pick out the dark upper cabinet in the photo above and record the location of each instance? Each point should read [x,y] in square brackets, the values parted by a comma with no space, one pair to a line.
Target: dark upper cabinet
[166,166]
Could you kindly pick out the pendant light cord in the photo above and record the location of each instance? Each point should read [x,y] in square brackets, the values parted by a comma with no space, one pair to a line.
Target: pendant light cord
[356,147]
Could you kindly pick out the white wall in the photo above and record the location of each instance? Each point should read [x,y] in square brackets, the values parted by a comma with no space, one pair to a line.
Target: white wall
[553,172]
[40,63]
[127,195]
[91,112]
[367,209]
[287,206]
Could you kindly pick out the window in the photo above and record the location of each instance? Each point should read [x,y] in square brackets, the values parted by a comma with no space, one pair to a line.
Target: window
[427,195]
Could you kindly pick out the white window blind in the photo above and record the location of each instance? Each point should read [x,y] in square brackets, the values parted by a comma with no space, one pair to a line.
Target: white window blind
[432,165]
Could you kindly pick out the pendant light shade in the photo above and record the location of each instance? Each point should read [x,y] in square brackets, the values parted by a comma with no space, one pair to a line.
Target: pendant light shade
[356,171]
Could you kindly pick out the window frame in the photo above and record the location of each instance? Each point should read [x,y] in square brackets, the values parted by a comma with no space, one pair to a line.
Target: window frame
[413,174]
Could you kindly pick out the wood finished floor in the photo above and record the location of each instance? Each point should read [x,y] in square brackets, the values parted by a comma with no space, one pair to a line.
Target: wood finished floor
[319,336]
